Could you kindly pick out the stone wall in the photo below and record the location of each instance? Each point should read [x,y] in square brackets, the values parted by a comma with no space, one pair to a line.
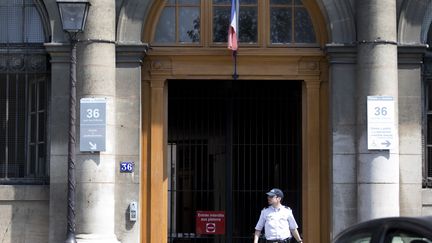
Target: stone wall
[24,214]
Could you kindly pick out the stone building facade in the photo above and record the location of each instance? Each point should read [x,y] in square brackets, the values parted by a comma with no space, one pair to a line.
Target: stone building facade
[295,118]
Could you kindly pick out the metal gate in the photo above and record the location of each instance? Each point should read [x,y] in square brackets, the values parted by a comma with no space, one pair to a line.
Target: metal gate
[228,143]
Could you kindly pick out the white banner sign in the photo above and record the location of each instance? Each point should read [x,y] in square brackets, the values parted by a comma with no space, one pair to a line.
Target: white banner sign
[381,122]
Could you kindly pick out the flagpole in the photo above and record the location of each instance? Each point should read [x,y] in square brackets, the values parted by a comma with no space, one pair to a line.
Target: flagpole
[235,75]
[233,32]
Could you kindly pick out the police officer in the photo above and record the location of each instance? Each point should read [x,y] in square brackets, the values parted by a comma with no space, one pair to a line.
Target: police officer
[278,220]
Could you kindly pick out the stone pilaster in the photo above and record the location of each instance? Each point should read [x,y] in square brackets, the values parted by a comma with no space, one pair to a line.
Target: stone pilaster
[60,68]
[128,122]
[377,170]
[96,77]
[342,60]
[410,59]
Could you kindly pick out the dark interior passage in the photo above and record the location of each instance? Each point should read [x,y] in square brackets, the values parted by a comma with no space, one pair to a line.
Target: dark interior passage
[229,143]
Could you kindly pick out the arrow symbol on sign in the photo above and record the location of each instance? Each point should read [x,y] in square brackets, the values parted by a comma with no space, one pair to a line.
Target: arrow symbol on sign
[93,146]
[387,143]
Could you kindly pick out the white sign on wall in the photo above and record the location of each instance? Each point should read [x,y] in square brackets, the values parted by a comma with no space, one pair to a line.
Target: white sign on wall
[381,122]
[92,124]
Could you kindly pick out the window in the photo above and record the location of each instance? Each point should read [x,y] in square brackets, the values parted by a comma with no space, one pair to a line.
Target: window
[179,22]
[290,23]
[360,239]
[24,90]
[402,236]
[261,22]
[20,22]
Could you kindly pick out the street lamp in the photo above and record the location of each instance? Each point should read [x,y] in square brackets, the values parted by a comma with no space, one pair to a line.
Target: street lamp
[73,14]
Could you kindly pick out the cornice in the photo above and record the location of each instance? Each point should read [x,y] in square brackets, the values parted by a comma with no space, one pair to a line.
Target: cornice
[342,53]
[411,54]
[59,52]
[125,52]
[346,53]
[131,52]
[243,52]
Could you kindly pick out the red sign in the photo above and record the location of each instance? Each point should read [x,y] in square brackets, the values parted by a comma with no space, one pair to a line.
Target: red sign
[210,222]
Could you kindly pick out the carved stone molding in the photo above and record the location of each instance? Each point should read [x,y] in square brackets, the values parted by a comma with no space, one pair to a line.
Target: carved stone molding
[16,63]
[23,63]
[158,65]
[308,65]
[221,66]
[37,63]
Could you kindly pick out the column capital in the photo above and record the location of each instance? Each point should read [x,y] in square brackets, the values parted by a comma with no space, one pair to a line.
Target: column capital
[59,52]
[131,52]
[342,53]
[312,83]
[157,83]
[411,54]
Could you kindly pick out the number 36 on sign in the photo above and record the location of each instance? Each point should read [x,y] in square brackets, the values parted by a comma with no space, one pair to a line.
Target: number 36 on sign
[126,167]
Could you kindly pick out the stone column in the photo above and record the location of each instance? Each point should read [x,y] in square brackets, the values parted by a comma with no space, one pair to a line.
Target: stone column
[377,170]
[96,171]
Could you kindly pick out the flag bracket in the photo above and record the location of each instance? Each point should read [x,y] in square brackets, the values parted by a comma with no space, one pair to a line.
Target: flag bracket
[235,76]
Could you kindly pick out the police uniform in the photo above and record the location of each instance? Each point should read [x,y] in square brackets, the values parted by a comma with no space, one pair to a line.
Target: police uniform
[277,223]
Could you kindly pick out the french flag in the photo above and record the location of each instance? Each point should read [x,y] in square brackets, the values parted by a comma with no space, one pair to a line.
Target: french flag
[233,28]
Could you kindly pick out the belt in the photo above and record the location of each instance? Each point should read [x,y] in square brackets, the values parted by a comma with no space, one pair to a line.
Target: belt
[279,241]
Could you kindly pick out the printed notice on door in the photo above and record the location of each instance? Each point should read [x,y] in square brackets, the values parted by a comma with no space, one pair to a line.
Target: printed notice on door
[380,122]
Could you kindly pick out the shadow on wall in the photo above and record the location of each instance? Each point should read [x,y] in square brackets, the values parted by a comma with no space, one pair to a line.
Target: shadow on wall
[24,211]
[414,20]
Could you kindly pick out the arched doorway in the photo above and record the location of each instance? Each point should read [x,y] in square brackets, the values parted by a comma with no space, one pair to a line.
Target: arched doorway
[183,63]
